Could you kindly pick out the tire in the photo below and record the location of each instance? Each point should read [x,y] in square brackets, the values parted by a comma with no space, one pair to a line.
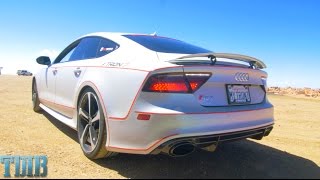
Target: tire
[35,98]
[92,133]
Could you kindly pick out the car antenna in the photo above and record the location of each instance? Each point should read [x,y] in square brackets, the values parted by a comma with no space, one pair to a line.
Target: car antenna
[213,59]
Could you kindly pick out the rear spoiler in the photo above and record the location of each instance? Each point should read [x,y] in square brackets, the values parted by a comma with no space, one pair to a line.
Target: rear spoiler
[252,61]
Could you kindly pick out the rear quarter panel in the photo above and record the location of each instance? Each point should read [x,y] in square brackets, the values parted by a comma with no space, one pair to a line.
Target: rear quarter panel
[116,87]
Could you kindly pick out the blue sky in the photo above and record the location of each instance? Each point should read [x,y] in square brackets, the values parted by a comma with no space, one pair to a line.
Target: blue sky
[284,34]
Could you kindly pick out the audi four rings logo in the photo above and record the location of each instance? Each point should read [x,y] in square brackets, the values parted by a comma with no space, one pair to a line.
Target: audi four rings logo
[241,77]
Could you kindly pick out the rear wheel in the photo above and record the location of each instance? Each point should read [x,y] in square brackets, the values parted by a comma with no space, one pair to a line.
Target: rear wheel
[35,98]
[92,132]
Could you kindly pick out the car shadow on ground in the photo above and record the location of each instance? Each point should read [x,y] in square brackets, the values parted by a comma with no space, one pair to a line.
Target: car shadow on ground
[241,159]
[59,125]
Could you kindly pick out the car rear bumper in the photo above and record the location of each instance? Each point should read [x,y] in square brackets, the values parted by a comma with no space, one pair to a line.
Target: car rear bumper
[210,142]
[144,137]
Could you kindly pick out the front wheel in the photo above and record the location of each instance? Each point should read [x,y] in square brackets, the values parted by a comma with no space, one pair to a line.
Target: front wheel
[92,132]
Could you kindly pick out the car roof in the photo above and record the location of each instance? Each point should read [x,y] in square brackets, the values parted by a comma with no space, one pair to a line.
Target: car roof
[108,34]
[116,36]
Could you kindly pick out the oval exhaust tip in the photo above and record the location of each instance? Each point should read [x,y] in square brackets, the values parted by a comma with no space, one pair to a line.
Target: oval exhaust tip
[181,149]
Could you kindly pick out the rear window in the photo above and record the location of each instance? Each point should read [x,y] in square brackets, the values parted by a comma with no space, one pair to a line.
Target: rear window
[166,45]
[105,47]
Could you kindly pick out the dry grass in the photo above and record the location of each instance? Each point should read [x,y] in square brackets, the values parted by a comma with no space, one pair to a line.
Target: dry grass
[291,151]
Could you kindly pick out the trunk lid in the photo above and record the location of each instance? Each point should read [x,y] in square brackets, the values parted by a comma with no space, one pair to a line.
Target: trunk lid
[229,86]
[236,82]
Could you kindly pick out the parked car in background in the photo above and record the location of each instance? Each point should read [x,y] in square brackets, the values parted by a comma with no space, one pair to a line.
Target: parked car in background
[24,73]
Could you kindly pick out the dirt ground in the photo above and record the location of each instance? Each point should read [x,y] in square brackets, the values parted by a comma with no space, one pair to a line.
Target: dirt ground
[291,151]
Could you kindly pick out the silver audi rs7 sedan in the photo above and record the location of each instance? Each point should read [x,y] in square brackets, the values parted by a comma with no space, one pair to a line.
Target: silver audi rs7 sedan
[148,94]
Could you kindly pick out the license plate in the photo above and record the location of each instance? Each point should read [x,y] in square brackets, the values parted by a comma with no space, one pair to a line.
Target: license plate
[238,94]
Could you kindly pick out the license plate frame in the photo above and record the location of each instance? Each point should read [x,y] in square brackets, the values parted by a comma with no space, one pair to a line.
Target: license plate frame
[234,91]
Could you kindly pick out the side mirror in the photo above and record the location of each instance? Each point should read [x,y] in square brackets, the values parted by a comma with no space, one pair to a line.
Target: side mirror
[45,60]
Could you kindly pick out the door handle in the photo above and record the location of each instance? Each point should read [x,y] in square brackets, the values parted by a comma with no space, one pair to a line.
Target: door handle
[54,71]
[77,72]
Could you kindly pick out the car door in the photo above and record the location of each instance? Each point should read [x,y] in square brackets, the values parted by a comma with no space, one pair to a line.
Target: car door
[47,93]
[70,72]
[47,86]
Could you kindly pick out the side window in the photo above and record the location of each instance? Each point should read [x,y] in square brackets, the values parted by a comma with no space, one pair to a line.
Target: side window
[86,49]
[106,47]
[64,56]
[67,57]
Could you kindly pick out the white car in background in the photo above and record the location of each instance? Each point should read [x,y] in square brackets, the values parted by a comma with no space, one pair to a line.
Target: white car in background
[24,73]
[147,94]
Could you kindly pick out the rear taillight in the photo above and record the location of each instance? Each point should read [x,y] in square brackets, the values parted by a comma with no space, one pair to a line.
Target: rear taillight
[196,80]
[176,82]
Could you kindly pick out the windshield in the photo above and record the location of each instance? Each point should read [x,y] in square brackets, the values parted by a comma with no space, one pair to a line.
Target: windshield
[166,45]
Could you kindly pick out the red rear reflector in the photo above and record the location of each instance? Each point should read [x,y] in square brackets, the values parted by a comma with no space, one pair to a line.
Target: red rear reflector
[144,117]
[176,82]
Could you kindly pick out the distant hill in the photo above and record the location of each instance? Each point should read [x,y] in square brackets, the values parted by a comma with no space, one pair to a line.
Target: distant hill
[308,92]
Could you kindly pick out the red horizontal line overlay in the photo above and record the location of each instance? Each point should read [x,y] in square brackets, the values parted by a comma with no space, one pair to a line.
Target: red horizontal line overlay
[199,113]
[102,67]
[146,148]
[56,103]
